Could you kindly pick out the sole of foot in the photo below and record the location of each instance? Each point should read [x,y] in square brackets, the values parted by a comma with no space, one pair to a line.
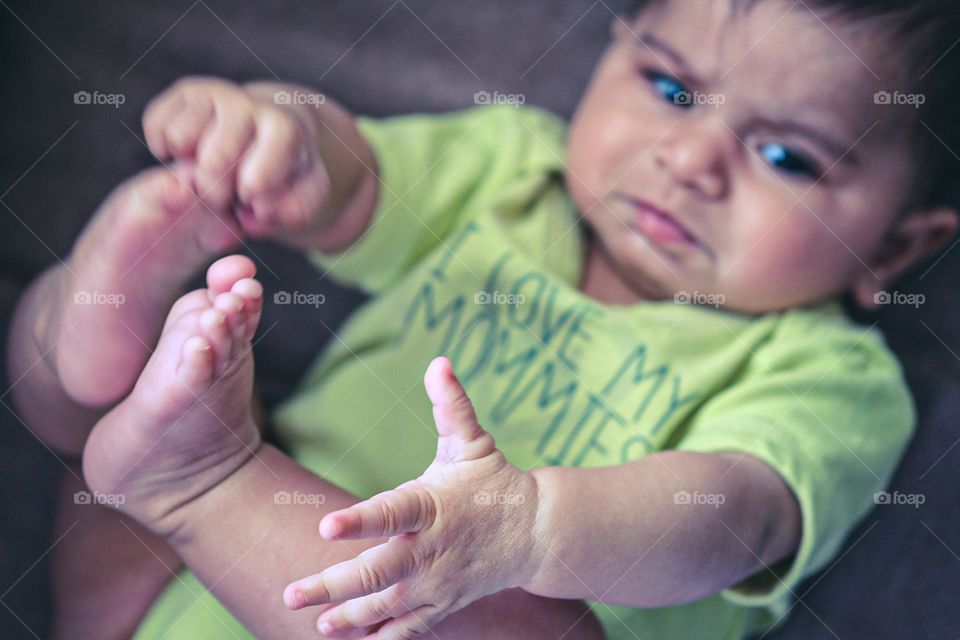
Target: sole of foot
[142,246]
[187,423]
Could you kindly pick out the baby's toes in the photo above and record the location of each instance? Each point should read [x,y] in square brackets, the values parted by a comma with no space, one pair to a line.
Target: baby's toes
[216,330]
[251,291]
[190,303]
[233,308]
[223,273]
[196,364]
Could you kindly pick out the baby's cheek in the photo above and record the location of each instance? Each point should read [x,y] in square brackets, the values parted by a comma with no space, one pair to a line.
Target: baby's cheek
[793,256]
[587,164]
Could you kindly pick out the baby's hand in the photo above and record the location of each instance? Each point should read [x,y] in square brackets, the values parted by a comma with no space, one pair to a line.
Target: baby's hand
[244,152]
[461,531]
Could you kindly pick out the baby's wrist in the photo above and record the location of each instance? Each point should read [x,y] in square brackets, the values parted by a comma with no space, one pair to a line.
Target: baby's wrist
[541,533]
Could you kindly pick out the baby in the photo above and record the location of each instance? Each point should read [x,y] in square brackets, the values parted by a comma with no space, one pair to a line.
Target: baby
[660,407]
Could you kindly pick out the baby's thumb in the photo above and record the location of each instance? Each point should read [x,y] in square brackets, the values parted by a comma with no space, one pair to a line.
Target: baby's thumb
[461,436]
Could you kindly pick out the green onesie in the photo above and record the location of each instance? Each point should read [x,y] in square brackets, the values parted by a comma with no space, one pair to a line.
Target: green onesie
[475,252]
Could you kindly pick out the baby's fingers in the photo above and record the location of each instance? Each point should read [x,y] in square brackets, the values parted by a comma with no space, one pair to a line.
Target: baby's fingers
[408,508]
[174,121]
[156,116]
[221,149]
[461,436]
[414,624]
[182,132]
[272,162]
[344,620]
[373,570]
[299,206]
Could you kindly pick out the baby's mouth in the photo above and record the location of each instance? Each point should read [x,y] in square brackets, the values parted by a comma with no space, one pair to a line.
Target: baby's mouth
[659,225]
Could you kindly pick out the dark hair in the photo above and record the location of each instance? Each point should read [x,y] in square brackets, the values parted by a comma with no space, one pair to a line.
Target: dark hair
[927,34]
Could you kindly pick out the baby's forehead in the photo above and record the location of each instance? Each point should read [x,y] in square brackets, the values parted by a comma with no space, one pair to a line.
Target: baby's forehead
[777,54]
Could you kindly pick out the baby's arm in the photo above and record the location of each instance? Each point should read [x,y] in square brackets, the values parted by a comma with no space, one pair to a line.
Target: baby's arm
[474,524]
[620,534]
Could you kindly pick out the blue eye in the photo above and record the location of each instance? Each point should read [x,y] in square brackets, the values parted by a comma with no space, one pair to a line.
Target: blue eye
[788,161]
[670,89]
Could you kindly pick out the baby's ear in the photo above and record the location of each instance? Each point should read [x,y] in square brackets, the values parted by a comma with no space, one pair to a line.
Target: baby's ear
[917,236]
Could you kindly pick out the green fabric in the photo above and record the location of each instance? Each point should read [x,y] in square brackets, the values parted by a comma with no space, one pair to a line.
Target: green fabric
[474,202]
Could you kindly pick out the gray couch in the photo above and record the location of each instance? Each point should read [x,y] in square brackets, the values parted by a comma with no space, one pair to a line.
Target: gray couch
[899,576]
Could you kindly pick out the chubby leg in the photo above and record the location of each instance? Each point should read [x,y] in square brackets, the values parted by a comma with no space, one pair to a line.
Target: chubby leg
[188,421]
[80,336]
[84,329]
[107,569]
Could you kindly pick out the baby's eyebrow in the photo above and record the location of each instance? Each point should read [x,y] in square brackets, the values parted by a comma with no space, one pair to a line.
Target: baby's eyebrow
[654,42]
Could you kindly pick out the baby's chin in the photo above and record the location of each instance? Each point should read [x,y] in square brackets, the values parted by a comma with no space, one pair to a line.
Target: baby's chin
[624,281]
[652,272]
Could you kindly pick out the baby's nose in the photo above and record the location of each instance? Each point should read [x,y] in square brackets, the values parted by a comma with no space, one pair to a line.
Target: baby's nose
[696,158]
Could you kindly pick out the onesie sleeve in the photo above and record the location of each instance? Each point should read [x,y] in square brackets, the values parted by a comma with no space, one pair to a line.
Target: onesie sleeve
[434,171]
[825,404]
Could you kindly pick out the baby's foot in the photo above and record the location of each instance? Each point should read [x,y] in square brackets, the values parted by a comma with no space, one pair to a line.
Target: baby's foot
[129,265]
[187,423]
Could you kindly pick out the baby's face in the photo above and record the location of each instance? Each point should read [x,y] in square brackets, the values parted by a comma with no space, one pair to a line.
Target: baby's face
[758,133]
